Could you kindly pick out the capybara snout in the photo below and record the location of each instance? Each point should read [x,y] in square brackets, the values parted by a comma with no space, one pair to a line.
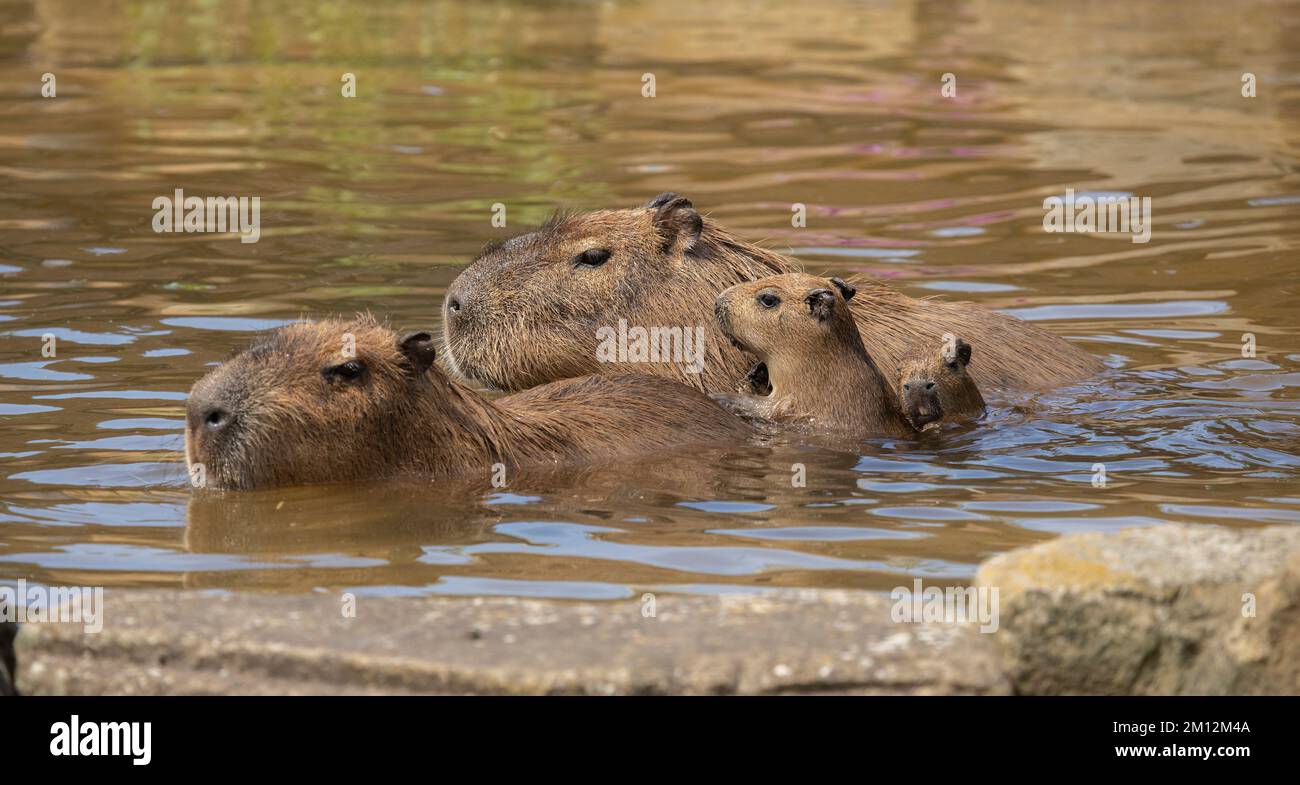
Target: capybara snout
[920,401]
[210,417]
[206,411]
[934,384]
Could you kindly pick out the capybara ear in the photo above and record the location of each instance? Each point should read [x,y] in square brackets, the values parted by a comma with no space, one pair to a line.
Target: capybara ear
[821,303]
[419,349]
[955,350]
[664,198]
[845,289]
[677,222]
[963,352]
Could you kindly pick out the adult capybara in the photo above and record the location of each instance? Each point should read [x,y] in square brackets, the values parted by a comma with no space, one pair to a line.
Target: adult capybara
[528,310]
[337,401]
[800,328]
[936,385]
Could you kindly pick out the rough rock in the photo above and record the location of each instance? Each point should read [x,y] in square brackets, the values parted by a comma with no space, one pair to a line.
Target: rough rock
[1157,610]
[162,642]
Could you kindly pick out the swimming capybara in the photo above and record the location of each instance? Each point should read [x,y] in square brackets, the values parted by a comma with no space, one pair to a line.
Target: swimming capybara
[800,328]
[936,386]
[337,401]
[527,310]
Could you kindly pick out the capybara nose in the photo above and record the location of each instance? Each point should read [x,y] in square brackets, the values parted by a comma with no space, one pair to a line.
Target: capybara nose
[206,412]
[460,300]
[929,385]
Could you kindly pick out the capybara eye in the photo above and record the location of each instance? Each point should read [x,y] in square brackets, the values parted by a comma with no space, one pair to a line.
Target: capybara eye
[593,258]
[952,366]
[348,371]
[768,300]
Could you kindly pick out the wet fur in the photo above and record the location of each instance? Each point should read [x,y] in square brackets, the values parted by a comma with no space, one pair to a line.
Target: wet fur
[293,426]
[536,316]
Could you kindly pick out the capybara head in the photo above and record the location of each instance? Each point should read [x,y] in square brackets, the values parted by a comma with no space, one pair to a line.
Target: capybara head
[527,310]
[793,315]
[310,403]
[811,358]
[934,385]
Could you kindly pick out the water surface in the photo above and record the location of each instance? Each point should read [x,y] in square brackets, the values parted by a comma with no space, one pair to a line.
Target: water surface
[375,203]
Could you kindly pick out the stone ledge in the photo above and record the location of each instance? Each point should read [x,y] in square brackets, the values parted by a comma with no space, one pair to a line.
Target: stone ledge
[156,642]
[1155,610]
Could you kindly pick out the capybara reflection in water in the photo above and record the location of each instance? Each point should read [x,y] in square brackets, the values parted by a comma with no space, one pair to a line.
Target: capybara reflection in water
[527,310]
[336,401]
[936,386]
[800,328]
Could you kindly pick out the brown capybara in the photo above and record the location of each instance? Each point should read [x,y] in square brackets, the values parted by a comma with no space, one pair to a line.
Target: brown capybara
[936,386]
[527,310]
[338,401]
[800,328]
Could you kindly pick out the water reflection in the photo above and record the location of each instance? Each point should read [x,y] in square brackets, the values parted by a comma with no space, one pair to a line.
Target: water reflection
[372,203]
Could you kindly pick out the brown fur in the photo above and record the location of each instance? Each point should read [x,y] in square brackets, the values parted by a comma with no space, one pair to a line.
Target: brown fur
[935,385]
[816,365]
[523,313]
[288,419]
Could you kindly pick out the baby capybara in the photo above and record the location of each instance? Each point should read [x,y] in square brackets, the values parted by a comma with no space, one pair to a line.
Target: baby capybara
[336,401]
[527,310]
[935,386]
[800,328]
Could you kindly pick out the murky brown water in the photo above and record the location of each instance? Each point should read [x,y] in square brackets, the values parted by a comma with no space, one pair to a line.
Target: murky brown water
[375,202]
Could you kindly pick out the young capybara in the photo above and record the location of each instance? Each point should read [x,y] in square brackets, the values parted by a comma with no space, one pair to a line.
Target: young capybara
[527,310]
[935,386]
[337,401]
[800,328]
